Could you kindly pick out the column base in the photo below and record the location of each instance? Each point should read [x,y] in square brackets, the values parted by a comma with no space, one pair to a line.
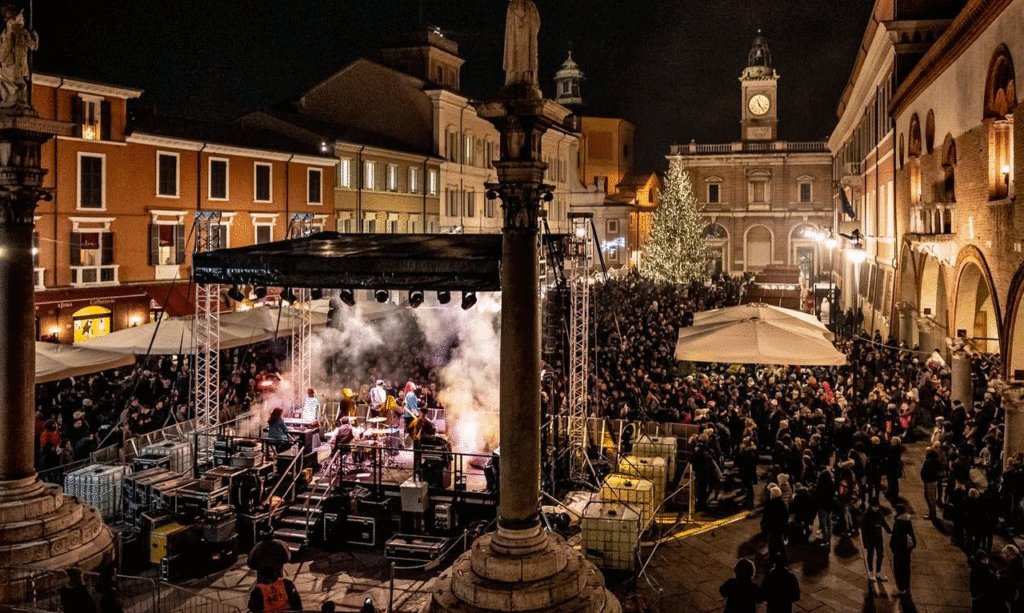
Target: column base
[553,577]
[42,529]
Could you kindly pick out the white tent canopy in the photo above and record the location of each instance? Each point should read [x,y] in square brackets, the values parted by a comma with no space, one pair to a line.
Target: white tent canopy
[757,334]
[176,335]
[54,362]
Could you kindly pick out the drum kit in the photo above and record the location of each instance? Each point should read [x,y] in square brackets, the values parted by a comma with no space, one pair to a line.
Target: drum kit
[377,435]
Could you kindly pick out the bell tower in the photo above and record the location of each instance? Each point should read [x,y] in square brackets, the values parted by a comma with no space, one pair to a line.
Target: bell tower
[758,87]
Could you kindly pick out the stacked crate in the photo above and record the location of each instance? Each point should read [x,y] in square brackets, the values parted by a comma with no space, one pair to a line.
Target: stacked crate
[658,447]
[634,492]
[654,470]
[98,486]
[611,535]
[180,453]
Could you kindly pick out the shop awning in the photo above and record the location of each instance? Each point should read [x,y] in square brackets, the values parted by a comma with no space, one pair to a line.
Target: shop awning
[177,299]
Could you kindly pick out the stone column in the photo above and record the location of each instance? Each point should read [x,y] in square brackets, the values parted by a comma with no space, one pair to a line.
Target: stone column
[17,344]
[38,526]
[520,567]
[1013,409]
[960,383]
[906,323]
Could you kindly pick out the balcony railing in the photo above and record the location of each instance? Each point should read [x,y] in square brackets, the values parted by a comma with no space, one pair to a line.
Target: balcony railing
[94,275]
[741,147]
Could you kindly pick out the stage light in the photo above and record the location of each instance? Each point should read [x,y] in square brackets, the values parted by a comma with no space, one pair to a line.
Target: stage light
[235,294]
[260,292]
[468,300]
[444,296]
[316,293]
[289,296]
[381,295]
[348,297]
[415,298]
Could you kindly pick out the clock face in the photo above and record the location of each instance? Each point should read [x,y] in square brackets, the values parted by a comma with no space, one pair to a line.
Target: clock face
[759,104]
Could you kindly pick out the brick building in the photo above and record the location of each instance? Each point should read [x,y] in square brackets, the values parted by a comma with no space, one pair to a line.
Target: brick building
[765,199]
[113,244]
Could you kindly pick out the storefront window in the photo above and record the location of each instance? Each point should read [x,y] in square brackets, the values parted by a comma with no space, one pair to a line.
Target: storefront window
[91,322]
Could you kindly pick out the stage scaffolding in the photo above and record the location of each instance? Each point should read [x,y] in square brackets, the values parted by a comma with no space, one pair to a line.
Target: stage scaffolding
[578,277]
[206,374]
[301,225]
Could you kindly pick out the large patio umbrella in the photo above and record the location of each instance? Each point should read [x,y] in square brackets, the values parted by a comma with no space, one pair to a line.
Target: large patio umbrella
[266,321]
[757,334]
[54,362]
[173,335]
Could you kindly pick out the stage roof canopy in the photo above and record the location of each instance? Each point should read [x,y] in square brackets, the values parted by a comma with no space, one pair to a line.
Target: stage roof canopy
[461,262]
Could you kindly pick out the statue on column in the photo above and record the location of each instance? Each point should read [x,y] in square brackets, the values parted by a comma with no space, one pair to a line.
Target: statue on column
[15,42]
[522,24]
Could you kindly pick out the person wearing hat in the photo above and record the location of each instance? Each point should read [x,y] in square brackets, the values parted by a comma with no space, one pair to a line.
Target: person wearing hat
[272,593]
[740,592]
[378,396]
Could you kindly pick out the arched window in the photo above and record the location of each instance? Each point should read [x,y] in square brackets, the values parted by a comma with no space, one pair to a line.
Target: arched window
[929,132]
[914,161]
[1000,101]
[715,231]
[949,169]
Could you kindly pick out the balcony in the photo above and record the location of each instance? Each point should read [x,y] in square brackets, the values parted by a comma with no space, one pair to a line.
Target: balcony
[82,276]
[694,148]
[851,172]
[40,278]
[932,219]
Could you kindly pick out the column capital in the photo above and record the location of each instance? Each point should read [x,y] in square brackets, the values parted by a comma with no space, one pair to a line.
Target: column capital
[18,205]
[1013,396]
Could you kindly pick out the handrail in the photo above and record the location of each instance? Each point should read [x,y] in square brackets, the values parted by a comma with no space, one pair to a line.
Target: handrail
[333,472]
[284,474]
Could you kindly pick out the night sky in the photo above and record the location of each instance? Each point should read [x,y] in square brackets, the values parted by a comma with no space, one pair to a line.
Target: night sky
[668,66]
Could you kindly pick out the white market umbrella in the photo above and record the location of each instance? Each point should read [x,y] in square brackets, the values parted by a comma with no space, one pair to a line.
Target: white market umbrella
[757,334]
[55,362]
[172,336]
[264,322]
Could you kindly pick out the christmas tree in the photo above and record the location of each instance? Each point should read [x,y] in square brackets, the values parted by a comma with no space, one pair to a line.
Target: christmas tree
[676,250]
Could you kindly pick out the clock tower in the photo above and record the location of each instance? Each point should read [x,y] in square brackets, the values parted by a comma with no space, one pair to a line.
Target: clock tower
[758,86]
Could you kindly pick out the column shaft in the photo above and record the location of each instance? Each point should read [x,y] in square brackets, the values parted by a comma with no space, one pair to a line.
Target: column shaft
[17,351]
[520,379]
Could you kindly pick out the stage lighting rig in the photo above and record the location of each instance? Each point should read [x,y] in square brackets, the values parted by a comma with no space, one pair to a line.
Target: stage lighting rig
[348,297]
[289,296]
[381,295]
[468,300]
[415,298]
[235,294]
[260,292]
[444,296]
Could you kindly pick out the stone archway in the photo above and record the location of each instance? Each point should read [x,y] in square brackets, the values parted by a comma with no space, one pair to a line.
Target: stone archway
[976,312]
[758,247]
[932,306]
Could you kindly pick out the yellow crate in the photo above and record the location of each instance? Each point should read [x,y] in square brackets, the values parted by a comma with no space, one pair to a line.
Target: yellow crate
[654,470]
[658,447]
[635,492]
[611,535]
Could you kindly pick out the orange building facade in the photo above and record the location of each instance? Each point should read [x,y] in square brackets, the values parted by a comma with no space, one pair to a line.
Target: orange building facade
[113,245]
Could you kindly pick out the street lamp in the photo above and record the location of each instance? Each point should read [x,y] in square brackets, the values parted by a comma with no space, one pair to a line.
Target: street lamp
[856,255]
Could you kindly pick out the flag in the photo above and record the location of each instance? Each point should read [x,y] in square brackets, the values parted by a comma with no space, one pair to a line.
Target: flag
[847,209]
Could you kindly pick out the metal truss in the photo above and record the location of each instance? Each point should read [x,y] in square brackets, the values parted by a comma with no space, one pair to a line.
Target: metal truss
[577,276]
[300,225]
[206,329]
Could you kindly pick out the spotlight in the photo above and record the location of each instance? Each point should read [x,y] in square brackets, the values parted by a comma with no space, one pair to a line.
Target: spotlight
[415,298]
[316,293]
[381,295]
[468,300]
[289,295]
[260,292]
[348,297]
[235,294]
[444,296]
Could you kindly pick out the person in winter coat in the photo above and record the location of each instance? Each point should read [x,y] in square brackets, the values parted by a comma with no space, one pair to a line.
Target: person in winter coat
[774,520]
[825,497]
[1011,580]
[931,473]
[780,588]
[872,525]
[901,544]
[740,592]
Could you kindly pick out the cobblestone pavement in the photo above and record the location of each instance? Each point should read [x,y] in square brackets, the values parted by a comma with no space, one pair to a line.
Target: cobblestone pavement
[683,575]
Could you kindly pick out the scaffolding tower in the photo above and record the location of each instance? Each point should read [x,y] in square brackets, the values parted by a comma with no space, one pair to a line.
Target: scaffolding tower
[206,328]
[301,225]
[577,272]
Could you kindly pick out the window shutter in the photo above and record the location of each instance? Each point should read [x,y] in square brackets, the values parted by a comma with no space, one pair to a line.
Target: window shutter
[108,248]
[179,243]
[105,120]
[76,249]
[76,115]
[154,244]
